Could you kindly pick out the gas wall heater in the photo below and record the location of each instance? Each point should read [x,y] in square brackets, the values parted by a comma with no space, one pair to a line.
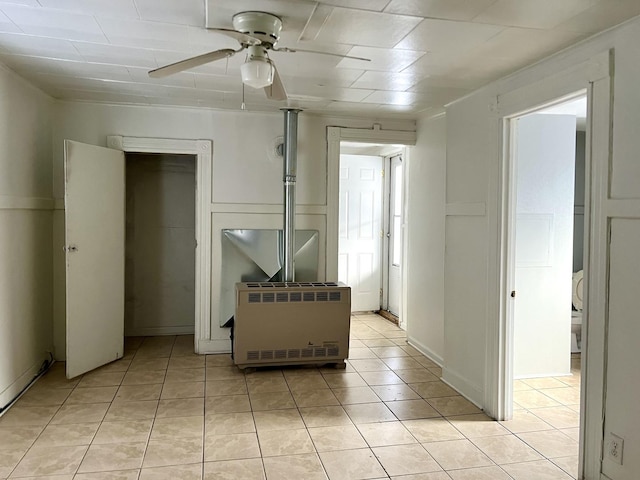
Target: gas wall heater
[291,323]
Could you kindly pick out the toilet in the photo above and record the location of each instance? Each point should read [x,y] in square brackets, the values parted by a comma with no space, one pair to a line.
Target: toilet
[576,313]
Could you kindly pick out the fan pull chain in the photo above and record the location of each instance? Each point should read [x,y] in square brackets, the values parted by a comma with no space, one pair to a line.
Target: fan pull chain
[243,106]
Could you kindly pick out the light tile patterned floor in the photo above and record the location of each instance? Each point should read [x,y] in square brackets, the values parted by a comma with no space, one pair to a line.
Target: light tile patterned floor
[163,413]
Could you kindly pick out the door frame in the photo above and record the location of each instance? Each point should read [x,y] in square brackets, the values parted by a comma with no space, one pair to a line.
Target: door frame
[335,135]
[594,77]
[362,135]
[203,151]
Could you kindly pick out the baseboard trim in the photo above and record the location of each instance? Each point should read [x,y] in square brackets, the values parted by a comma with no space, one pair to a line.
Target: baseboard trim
[153,331]
[208,347]
[13,390]
[426,351]
[465,388]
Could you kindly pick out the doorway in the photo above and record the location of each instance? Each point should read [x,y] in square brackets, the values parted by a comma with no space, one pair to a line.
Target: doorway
[371,209]
[160,244]
[546,236]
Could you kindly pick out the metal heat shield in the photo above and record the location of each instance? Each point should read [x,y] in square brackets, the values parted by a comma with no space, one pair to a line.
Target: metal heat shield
[255,255]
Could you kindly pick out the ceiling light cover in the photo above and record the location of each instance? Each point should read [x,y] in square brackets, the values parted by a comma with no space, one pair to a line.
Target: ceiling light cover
[257,72]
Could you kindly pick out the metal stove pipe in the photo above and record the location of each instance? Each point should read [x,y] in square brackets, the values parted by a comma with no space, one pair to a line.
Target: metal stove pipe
[290,158]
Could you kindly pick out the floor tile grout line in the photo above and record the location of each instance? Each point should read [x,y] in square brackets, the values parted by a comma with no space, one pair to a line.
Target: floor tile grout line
[370,385]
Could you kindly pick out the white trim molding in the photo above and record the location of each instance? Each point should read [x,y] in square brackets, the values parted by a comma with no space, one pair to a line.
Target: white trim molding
[203,150]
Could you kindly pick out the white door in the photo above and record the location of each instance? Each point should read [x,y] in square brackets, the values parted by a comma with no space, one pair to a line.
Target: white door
[360,230]
[395,235]
[94,245]
[545,164]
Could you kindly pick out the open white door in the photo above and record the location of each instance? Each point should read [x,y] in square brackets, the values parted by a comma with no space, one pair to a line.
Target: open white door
[94,246]
[360,241]
[545,165]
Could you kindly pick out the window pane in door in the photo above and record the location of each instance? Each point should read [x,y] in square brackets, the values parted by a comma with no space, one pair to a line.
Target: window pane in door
[396,241]
[397,190]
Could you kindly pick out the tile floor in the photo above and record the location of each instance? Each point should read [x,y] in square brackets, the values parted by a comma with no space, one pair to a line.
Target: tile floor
[163,413]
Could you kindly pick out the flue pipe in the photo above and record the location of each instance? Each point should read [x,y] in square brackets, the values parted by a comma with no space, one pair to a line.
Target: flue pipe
[290,159]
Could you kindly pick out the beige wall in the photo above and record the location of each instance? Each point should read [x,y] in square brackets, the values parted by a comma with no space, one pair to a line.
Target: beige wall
[246,174]
[25,233]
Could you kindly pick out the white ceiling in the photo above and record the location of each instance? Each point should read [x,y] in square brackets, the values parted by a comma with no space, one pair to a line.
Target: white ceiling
[424,53]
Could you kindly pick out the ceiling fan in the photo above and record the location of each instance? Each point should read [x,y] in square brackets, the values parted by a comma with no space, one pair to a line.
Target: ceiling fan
[257,32]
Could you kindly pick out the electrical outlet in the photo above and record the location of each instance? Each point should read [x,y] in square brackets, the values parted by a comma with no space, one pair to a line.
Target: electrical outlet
[615,448]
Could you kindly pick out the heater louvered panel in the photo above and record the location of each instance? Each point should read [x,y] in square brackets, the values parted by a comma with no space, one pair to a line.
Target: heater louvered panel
[291,323]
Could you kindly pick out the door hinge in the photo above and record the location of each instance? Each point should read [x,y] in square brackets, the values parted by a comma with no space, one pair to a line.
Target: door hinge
[381,293]
[382,173]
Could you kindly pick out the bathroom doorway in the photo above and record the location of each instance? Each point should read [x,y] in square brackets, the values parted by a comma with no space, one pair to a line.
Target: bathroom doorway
[546,204]
[548,161]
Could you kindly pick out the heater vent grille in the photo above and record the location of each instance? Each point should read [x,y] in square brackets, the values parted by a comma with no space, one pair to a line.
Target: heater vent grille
[283,354]
[255,298]
[290,284]
[268,297]
[289,297]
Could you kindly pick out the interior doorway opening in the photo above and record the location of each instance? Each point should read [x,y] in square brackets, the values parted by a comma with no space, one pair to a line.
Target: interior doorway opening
[160,245]
[371,222]
[545,244]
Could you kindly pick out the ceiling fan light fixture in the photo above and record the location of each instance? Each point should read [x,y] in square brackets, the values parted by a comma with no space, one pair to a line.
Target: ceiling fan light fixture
[257,72]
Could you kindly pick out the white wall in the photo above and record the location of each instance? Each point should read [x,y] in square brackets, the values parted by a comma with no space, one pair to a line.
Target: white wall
[246,174]
[25,233]
[471,146]
[425,208]
[471,273]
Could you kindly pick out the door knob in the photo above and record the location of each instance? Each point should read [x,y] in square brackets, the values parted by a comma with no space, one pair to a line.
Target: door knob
[70,248]
[513,294]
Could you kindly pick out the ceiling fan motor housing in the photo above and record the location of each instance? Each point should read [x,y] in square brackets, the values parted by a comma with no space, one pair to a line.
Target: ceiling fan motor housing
[262,25]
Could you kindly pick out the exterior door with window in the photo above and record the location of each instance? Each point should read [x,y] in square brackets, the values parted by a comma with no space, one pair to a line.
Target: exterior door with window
[360,229]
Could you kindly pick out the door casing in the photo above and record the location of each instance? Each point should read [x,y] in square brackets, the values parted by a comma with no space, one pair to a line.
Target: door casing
[203,151]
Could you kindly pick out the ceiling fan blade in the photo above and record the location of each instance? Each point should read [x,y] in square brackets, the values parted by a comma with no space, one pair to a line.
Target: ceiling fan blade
[294,50]
[243,38]
[191,63]
[276,90]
